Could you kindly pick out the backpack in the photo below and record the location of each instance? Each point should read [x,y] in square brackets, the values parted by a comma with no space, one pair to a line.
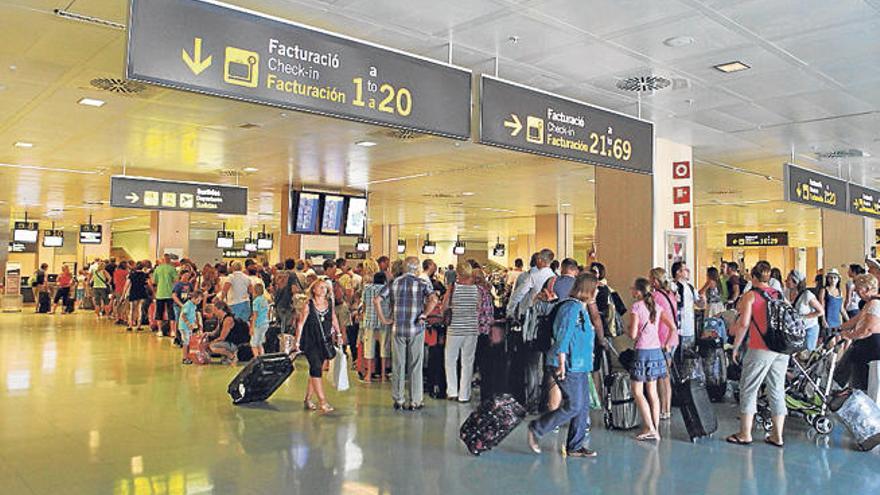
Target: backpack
[544,339]
[786,332]
[613,322]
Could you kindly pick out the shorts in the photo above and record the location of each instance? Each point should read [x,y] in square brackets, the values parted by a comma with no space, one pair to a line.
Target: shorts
[316,363]
[80,294]
[242,310]
[100,295]
[164,308]
[226,346]
[259,336]
[384,337]
[648,366]
[185,334]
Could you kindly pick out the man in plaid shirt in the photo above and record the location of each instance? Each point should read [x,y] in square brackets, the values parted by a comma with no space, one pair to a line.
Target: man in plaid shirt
[411,298]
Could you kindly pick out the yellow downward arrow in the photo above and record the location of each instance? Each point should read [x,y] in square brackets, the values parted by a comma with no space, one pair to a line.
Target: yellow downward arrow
[195,63]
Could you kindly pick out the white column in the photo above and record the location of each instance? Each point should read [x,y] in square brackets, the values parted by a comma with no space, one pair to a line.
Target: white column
[673,187]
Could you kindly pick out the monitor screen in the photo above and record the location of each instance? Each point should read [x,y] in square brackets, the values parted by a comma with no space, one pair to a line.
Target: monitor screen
[53,241]
[458,250]
[331,217]
[363,247]
[401,248]
[25,236]
[307,207]
[225,242]
[91,234]
[356,216]
[264,244]
[250,246]
[498,251]
[429,249]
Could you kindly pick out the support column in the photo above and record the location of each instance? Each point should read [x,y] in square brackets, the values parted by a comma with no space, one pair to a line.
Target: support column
[674,221]
[555,231]
[843,239]
[169,232]
[289,244]
[383,241]
[624,226]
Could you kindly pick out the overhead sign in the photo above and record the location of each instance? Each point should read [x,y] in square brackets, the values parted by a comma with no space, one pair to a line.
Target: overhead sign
[814,189]
[757,239]
[22,247]
[532,121]
[223,50]
[91,234]
[864,201]
[355,256]
[157,194]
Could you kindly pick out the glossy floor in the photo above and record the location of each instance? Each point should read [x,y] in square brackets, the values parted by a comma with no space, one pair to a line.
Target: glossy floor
[86,408]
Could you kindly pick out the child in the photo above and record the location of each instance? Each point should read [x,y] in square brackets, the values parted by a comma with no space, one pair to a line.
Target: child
[259,320]
[650,363]
[189,322]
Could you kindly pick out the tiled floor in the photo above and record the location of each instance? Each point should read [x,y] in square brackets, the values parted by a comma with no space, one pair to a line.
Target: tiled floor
[86,408]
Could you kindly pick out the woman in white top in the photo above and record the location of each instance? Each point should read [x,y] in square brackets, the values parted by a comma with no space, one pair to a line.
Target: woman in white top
[806,304]
[461,334]
[851,299]
[237,292]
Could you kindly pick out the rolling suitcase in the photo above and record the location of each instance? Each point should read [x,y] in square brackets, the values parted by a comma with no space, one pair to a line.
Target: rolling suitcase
[621,412]
[272,345]
[493,420]
[44,303]
[861,415]
[260,378]
[714,367]
[70,307]
[696,408]
[686,365]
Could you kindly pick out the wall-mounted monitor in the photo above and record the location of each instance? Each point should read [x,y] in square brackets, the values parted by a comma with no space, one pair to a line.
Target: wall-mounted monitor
[362,247]
[250,245]
[356,216]
[225,240]
[498,251]
[53,239]
[458,250]
[308,208]
[25,232]
[91,234]
[265,243]
[429,248]
[332,214]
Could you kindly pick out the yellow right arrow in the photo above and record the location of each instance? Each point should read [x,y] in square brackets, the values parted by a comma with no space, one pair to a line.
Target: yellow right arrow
[195,63]
[514,126]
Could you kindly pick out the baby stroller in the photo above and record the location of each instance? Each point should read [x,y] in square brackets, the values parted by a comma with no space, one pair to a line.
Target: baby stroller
[808,388]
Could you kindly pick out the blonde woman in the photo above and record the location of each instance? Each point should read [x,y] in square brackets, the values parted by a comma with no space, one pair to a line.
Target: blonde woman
[317,325]
[665,298]
[463,299]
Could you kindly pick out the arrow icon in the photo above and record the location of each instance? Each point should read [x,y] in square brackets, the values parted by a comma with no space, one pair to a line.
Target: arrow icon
[132,197]
[515,126]
[195,63]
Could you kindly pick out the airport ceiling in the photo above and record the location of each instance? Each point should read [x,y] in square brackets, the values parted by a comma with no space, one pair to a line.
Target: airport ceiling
[812,89]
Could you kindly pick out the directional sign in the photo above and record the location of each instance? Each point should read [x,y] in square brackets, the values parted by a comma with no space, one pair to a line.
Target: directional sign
[157,194]
[814,189]
[864,201]
[532,121]
[228,51]
[757,239]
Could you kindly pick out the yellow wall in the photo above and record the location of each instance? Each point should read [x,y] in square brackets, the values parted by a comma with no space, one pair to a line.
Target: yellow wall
[135,242]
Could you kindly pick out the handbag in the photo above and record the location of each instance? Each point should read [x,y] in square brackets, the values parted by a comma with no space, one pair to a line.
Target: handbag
[339,371]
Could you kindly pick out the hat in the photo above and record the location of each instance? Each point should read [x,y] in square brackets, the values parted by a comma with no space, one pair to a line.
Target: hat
[797,276]
[834,272]
[873,263]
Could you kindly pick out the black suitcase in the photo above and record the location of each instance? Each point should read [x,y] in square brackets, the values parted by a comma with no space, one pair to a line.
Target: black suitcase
[272,344]
[493,420]
[714,367]
[260,378]
[70,307]
[620,411]
[686,365]
[696,408]
[44,304]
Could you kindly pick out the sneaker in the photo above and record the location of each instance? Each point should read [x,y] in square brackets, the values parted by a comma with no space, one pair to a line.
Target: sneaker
[532,440]
[582,452]
[398,406]
[187,361]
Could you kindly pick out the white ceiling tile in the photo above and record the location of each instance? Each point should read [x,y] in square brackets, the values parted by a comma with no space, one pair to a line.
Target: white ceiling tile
[586,60]
[535,38]
[602,17]
[856,41]
[774,84]
[779,18]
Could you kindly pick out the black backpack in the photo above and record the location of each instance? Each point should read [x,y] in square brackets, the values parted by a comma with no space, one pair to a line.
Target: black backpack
[544,339]
[786,332]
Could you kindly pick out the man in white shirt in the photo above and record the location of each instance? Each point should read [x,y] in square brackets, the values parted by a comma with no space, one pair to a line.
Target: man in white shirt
[532,284]
[512,275]
[687,300]
[237,292]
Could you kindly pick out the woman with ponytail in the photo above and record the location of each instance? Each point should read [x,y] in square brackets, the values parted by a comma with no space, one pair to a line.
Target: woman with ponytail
[650,364]
[665,298]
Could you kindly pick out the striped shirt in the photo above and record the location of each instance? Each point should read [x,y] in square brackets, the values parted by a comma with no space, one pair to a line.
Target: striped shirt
[371,318]
[465,306]
[408,295]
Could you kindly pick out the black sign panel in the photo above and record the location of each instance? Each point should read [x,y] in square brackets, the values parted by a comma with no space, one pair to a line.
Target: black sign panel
[757,239]
[355,255]
[157,194]
[864,201]
[91,234]
[22,247]
[529,120]
[227,51]
[814,189]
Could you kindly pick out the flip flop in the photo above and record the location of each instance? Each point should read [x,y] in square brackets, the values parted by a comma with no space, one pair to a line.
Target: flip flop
[647,437]
[736,440]
[769,441]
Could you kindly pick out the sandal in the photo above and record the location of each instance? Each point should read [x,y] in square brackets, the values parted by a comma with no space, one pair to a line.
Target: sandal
[644,437]
[736,440]
[309,405]
[768,440]
[326,408]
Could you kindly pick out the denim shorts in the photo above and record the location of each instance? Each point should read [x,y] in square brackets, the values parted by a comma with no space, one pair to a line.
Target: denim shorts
[259,336]
[649,365]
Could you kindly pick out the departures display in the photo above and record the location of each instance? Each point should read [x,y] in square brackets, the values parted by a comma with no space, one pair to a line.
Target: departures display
[227,51]
[525,119]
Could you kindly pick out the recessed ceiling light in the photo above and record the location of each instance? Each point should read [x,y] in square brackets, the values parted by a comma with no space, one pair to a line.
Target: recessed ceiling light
[23,144]
[366,144]
[513,39]
[565,205]
[811,233]
[779,210]
[678,41]
[721,222]
[467,193]
[250,170]
[92,102]
[735,66]
[591,180]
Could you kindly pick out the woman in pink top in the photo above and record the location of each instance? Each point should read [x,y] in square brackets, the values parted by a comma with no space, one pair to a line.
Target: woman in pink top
[649,364]
[664,297]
